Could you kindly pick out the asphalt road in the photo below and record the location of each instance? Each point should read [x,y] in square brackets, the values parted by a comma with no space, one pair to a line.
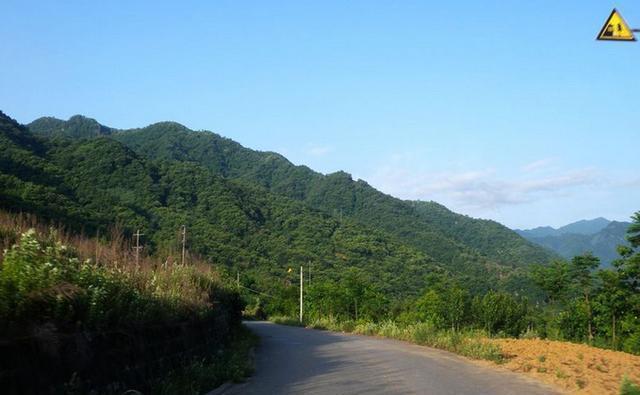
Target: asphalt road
[294,360]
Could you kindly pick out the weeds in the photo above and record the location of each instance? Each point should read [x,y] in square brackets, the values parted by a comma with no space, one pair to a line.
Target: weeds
[628,387]
[233,363]
[47,276]
[51,282]
[472,344]
[283,320]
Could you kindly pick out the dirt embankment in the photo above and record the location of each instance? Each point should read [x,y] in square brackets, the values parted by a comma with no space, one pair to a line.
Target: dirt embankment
[575,368]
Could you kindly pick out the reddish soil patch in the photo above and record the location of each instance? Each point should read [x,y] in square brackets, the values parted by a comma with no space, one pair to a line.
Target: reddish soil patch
[574,368]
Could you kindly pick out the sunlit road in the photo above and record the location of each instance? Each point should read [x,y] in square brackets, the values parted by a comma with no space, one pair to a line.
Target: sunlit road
[304,361]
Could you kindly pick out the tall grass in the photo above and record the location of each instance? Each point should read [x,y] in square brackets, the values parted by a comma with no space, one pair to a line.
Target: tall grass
[470,343]
[284,320]
[232,363]
[48,275]
[628,387]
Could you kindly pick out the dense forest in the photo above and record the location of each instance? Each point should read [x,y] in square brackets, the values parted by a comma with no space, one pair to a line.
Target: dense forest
[248,211]
[367,255]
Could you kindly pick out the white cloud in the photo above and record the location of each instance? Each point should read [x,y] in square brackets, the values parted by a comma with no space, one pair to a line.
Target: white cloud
[538,164]
[318,150]
[480,190]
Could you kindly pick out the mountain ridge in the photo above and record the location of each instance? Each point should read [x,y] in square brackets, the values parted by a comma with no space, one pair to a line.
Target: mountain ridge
[103,183]
[426,227]
[583,226]
[599,236]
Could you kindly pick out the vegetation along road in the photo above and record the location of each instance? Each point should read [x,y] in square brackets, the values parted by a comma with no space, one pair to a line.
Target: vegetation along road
[294,360]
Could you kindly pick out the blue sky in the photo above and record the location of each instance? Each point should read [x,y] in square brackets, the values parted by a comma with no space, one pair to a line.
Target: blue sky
[502,110]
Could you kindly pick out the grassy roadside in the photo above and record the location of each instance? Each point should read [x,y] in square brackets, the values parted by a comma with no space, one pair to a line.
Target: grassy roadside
[472,344]
[232,363]
[574,368]
[148,314]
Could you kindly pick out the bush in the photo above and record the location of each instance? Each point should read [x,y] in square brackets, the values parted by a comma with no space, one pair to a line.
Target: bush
[45,281]
[422,333]
[346,326]
[285,320]
[529,334]
[481,349]
[233,363]
[153,315]
[390,329]
[366,328]
[628,387]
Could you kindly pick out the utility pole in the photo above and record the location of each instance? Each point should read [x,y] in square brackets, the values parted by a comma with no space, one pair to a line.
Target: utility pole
[238,279]
[137,235]
[97,245]
[301,287]
[356,300]
[184,241]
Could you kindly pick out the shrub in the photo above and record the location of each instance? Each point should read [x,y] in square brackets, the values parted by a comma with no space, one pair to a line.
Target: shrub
[422,333]
[346,326]
[529,333]
[481,349]
[390,329]
[366,328]
[628,387]
[43,280]
[285,320]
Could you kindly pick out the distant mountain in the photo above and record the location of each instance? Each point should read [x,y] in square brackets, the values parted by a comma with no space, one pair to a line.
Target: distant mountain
[599,236]
[582,227]
[585,226]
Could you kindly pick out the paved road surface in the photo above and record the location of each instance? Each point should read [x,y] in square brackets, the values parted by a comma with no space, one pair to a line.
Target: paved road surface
[294,360]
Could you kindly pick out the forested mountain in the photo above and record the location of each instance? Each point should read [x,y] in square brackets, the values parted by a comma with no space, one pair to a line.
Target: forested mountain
[93,184]
[442,234]
[582,227]
[247,210]
[599,236]
[76,127]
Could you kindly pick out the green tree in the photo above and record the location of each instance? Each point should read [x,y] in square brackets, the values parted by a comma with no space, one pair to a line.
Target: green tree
[611,300]
[553,279]
[633,233]
[582,267]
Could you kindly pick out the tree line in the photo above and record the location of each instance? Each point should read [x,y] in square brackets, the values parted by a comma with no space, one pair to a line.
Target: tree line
[580,301]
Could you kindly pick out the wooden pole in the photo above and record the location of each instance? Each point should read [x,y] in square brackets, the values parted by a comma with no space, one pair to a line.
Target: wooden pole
[97,246]
[184,241]
[301,287]
[138,234]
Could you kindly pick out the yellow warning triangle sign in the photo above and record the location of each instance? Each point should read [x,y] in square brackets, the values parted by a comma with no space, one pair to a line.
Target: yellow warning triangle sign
[616,29]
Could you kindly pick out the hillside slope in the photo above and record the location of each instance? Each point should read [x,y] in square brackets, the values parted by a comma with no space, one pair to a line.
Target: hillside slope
[448,237]
[92,184]
[425,228]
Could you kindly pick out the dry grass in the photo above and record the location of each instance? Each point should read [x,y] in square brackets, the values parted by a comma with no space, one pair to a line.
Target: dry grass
[106,266]
[575,368]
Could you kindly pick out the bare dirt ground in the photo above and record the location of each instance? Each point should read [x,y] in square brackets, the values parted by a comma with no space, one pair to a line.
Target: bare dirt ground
[574,368]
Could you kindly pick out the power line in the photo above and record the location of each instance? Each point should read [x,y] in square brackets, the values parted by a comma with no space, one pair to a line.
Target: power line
[258,292]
